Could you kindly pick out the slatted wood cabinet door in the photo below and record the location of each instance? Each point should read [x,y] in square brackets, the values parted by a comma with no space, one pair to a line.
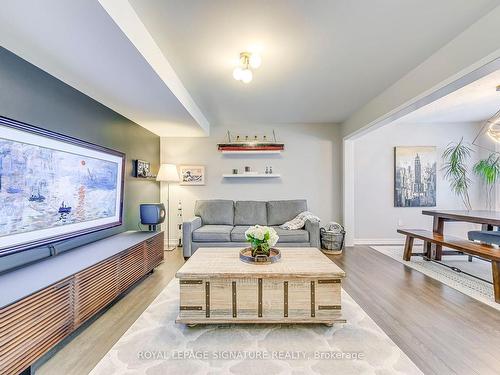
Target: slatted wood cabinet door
[132,266]
[95,288]
[30,327]
[154,252]
[33,325]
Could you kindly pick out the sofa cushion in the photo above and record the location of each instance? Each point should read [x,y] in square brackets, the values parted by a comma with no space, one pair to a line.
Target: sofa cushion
[213,233]
[215,211]
[279,212]
[250,213]
[238,233]
[285,235]
[294,235]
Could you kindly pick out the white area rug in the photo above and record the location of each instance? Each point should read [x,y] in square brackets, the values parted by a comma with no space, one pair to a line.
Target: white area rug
[155,344]
[477,289]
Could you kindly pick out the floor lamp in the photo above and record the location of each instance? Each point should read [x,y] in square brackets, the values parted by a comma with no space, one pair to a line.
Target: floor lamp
[168,173]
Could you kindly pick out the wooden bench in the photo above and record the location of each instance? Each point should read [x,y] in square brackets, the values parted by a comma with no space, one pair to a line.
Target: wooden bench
[465,246]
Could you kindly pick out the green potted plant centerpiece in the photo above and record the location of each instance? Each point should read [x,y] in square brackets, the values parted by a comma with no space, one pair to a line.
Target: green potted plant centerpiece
[261,239]
[456,158]
[489,172]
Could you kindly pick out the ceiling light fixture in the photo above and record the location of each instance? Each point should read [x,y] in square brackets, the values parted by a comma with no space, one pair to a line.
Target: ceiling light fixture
[248,61]
[494,125]
[491,127]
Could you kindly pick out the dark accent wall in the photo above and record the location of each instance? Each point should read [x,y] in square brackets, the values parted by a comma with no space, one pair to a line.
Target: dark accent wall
[31,95]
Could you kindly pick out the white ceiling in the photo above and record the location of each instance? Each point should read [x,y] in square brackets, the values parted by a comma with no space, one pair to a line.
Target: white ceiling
[78,42]
[321,59]
[475,102]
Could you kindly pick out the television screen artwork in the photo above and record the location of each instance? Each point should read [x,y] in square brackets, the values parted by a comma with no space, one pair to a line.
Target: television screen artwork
[54,187]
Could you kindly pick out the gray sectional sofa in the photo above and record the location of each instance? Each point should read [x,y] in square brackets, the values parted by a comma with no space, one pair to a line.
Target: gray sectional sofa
[222,223]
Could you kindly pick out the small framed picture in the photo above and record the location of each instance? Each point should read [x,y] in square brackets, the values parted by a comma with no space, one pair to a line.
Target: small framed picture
[192,174]
[142,169]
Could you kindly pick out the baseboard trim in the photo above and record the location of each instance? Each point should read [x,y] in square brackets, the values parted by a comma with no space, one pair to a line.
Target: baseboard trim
[381,241]
[172,242]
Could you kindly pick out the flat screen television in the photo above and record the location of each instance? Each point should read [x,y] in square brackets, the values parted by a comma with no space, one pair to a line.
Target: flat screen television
[54,187]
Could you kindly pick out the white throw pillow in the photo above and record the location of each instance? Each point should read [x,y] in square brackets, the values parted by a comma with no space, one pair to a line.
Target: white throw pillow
[299,221]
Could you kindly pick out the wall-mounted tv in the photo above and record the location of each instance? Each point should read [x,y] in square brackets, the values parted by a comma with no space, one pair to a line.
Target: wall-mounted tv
[54,187]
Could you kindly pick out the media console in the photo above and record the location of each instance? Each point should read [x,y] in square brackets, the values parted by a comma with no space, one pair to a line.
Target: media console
[43,303]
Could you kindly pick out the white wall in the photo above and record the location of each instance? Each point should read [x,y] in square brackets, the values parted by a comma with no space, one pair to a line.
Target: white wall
[471,55]
[376,218]
[309,168]
[475,47]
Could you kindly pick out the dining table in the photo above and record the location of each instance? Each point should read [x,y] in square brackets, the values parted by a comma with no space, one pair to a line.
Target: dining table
[487,219]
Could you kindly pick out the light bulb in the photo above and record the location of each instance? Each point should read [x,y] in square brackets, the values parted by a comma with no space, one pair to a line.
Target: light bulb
[494,132]
[246,75]
[237,73]
[255,61]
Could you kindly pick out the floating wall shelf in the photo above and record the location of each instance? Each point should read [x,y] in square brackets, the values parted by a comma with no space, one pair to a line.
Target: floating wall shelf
[251,147]
[252,152]
[249,175]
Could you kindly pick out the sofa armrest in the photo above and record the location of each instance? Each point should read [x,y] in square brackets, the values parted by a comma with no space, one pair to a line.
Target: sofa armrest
[188,227]
[313,228]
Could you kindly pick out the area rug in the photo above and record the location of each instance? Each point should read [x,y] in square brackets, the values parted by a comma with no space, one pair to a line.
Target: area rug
[155,344]
[477,289]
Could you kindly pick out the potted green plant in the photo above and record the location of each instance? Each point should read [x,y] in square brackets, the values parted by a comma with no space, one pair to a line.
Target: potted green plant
[456,157]
[488,170]
[261,239]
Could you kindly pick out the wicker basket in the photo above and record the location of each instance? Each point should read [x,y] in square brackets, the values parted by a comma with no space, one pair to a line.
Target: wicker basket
[332,242]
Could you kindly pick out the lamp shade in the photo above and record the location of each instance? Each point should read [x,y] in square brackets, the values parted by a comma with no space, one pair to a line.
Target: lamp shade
[168,173]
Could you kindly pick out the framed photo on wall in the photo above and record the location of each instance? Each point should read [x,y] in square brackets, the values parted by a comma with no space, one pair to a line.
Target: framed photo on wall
[192,175]
[142,169]
[415,176]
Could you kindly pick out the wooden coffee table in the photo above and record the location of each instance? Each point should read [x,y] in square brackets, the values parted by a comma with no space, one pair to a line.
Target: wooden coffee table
[216,287]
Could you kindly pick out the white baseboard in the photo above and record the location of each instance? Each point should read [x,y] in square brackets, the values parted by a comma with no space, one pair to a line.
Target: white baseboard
[171,242]
[380,241]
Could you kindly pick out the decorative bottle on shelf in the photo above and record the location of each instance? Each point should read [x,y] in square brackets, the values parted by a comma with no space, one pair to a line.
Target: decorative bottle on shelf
[270,170]
[267,170]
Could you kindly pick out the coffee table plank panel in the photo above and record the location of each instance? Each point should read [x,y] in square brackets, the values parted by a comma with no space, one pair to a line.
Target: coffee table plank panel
[221,298]
[299,299]
[192,299]
[328,302]
[246,298]
[272,298]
